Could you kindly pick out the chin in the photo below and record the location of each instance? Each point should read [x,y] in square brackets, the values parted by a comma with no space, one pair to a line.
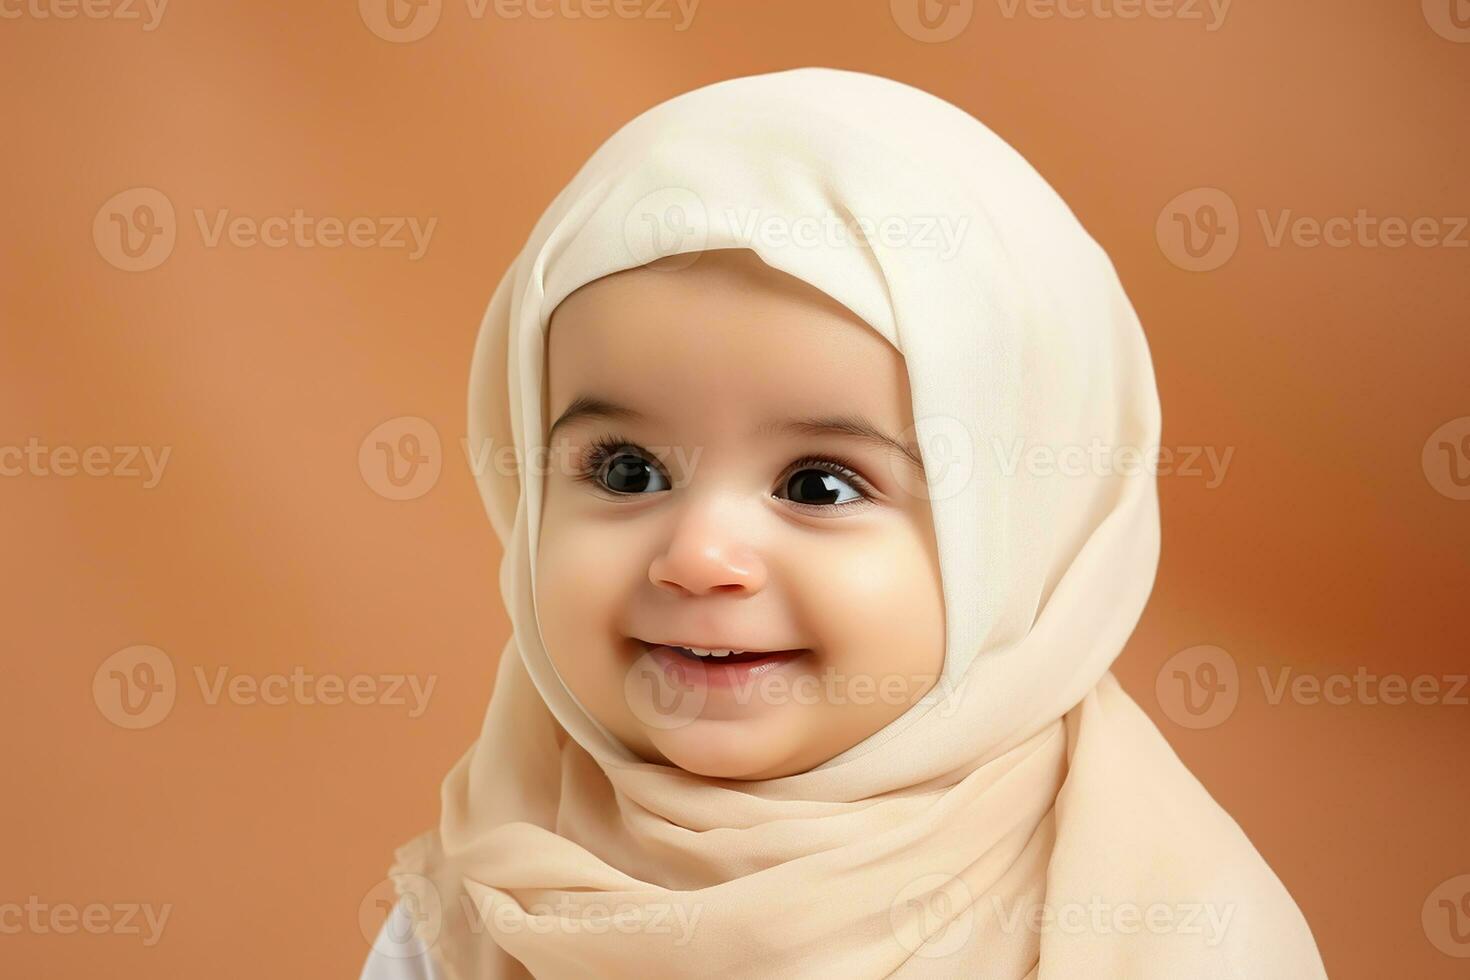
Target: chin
[721,751]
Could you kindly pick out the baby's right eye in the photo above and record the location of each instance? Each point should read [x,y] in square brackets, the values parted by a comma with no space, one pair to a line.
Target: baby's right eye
[619,467]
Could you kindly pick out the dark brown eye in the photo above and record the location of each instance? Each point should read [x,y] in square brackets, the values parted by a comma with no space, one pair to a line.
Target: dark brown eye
[818,486]
[630,473]
[618,466]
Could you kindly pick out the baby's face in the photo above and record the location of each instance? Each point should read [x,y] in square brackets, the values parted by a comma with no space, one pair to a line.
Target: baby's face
[696,513]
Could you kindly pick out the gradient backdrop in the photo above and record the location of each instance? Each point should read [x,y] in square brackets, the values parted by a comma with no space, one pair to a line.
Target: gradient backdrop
[1281,185]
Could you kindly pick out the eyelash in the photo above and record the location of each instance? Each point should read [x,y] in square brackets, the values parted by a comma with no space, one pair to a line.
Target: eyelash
[605,447]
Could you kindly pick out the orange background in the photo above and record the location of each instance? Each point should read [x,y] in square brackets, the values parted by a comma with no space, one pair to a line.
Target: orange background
[1326,547]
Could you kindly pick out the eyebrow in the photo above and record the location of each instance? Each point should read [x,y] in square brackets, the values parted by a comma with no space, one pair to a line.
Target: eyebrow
[586,408]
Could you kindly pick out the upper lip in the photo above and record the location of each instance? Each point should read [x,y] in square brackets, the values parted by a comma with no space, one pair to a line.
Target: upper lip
[717,646]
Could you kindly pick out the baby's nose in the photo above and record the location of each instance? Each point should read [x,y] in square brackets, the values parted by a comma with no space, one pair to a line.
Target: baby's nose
[706,563]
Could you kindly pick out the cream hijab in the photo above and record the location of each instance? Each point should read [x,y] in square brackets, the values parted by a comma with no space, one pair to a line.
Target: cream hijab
[1027,819]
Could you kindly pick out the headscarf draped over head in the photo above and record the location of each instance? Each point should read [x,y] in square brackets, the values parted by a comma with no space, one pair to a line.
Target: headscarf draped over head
[1027,819]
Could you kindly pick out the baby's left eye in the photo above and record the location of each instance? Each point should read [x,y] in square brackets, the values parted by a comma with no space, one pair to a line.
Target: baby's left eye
[817,484]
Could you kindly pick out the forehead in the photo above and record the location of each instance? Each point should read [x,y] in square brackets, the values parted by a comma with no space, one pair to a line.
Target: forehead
[723,326]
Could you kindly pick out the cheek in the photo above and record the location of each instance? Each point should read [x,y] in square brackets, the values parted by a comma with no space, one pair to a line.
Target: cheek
[582,588]
[880,608]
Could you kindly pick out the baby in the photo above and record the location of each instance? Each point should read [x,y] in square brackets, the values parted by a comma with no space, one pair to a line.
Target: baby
[804,679]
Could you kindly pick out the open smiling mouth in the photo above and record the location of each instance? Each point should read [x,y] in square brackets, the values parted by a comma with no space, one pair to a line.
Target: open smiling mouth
[721,666]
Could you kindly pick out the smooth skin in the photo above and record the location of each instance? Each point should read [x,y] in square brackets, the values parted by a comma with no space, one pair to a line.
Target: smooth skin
[698,526]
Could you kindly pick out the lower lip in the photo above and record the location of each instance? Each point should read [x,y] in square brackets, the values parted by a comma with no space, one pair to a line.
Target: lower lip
[718,672]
